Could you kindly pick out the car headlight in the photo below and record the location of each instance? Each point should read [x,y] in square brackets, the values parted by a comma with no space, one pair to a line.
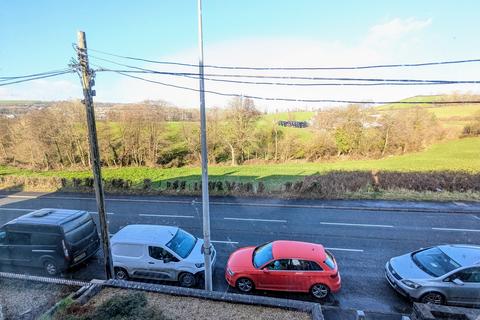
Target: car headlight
[230,272]
[411,284]
[199,265]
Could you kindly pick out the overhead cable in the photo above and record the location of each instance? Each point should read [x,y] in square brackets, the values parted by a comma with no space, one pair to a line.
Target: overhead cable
[429,81]
[292,99]
[404,65]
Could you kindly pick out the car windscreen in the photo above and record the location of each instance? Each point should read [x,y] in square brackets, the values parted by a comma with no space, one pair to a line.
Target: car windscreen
[434,262]
[78,229]
[182,243]
[262,255]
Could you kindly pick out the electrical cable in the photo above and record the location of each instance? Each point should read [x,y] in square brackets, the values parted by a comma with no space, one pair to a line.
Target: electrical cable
[35,78]
[404,65]
[291,99]
[145,70]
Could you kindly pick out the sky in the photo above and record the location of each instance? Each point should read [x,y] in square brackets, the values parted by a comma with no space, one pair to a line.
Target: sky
[37,36]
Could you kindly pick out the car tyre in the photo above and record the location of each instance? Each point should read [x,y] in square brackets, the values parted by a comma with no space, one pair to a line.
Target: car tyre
[121,274]
[245,285]
[50,267]
[187,280]
[433,298]
[319,291]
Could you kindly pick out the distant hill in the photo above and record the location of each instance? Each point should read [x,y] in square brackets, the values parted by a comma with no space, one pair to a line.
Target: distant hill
[452,116]
[426,101]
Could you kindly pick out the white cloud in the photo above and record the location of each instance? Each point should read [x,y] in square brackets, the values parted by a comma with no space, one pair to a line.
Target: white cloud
[395,29]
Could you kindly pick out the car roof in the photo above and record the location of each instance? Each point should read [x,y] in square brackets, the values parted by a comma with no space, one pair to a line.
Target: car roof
[144,234]
[466,255]
[48,216]
[284,249]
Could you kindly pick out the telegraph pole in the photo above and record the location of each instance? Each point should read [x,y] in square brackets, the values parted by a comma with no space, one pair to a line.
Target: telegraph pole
[88,93]
[203,126]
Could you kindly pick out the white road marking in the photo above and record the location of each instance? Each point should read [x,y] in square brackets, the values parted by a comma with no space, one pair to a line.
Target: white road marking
[95,212]
[345,249]
[227,242]
[476,217]
[357,224]
[15,209]
[259,220]
[163,215]
[452,229]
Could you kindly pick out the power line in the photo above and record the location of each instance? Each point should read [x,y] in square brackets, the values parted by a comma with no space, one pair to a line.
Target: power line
[209,75]
[291,99]
[36,78]
[3,78]
[382,83]
[404,65]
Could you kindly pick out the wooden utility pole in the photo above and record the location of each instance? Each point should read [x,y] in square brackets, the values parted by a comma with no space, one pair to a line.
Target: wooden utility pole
[88,93]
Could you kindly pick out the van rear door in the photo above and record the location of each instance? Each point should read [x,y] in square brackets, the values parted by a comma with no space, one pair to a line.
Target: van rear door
[81,238]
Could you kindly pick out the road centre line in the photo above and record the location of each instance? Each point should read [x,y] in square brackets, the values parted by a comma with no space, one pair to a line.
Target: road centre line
[357,224]
[95,212]
[452,229]
[344,249]
[259,220]
[227,242]
[163,215]
[15,209]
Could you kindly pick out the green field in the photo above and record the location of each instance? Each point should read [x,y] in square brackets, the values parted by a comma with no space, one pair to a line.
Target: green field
[455,155]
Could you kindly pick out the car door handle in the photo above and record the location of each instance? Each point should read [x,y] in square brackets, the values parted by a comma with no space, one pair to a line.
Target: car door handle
[150,262]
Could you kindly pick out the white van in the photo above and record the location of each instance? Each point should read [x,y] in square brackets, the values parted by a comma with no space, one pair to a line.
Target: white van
[158,253]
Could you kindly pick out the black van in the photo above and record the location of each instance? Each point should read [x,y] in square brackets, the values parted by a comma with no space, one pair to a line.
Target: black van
[53,239]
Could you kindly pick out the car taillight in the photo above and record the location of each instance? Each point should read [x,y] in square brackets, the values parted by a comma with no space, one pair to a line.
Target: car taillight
[65,250]
[334,276]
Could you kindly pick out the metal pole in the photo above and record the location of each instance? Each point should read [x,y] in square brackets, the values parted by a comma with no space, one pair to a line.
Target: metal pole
[87,82]
[203,129]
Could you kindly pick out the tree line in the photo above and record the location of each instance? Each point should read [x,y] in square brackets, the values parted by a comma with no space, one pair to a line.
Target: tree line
[143,135]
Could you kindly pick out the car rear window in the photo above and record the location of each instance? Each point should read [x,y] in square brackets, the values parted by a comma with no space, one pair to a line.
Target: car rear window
[78,231]
[329,261]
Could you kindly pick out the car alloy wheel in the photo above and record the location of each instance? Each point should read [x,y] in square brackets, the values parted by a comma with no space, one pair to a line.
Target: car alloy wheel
[187,280]
[320,291]
[244,284]
[121,274]
[432,298]
[50,267]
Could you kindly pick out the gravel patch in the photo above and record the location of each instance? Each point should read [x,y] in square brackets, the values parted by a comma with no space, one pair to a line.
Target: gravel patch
[175,307]
[27,300]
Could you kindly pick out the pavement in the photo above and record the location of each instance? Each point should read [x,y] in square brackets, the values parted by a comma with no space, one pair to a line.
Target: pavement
[362,235]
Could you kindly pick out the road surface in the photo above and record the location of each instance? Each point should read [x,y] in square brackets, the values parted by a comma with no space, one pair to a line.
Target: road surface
[361,235]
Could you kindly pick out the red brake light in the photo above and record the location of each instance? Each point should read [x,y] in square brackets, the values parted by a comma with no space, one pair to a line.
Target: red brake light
[334,276]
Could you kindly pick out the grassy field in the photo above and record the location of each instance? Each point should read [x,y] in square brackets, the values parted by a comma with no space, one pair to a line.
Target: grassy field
[455,155]
[453,117]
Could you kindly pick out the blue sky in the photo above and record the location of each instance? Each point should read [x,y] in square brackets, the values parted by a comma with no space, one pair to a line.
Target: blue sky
[36,36]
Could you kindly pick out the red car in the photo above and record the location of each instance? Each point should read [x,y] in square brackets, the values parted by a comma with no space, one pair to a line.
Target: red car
[284,266]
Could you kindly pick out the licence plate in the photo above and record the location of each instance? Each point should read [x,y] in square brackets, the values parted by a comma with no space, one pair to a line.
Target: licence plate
[80,257]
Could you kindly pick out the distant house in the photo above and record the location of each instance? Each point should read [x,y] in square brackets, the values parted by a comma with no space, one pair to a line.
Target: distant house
[294,124]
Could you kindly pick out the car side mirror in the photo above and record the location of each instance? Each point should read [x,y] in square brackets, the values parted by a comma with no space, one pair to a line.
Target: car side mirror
[166,260]
[458,282]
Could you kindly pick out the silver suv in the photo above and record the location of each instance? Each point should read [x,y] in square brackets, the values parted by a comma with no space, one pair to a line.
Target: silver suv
[446,274]
[158,253]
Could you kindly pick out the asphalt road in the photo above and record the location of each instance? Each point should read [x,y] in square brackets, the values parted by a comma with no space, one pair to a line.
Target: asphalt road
[362,235]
